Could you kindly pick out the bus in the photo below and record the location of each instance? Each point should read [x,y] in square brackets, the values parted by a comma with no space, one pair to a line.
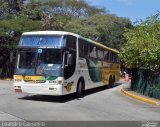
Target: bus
[60,63]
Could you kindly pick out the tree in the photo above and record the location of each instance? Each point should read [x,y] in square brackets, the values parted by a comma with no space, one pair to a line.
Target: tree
[57,13]
[142,49]
[79,17]
[104,28]
[15,19]
[71,8]
[67,15]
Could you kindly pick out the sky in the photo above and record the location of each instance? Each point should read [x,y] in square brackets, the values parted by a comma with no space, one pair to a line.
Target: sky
[132,9]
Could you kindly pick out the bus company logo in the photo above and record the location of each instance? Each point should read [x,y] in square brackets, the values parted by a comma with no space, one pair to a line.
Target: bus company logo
[82,65]
[149,124]
[69,86]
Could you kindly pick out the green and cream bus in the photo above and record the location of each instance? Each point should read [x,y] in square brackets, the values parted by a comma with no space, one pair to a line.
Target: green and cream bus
[60,63]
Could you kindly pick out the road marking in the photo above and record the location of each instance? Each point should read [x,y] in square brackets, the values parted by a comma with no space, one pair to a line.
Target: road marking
[8,117]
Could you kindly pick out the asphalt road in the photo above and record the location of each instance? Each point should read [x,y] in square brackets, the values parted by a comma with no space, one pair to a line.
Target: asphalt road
[97,105]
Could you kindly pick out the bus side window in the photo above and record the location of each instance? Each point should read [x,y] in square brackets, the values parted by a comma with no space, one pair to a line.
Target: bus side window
[100,54]
[105,55]
[71,42]
[115,58]
[92,51]
[111,57]
[108,56]
[81,54]
[83,48]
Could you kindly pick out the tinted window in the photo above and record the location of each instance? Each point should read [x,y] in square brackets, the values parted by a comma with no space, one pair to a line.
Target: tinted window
[100,54]
[92,51]
[50,56]
[71,42]
[83,48]
[106,55]
[35,40]
[27,59]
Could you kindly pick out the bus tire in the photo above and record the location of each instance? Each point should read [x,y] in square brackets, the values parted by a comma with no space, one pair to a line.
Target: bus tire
[113,80]
[110,82]
[80,88]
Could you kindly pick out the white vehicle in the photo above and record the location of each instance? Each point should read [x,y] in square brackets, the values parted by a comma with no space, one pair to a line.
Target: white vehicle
[60,63]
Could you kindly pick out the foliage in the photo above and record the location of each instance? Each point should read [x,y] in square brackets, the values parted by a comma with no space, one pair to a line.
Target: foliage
[12,28]
[142,49]
[105,28]
[58,13]
[67,15]
[71,8]
[89,21]
[15,19]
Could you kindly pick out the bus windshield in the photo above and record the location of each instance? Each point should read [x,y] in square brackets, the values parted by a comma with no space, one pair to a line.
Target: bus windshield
[41,40]
[48,62]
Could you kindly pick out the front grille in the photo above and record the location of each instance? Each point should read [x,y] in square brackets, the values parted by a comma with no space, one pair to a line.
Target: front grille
[34,81]
[40,81]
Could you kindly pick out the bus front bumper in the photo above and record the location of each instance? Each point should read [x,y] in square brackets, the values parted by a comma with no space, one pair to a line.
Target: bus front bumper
[39,89]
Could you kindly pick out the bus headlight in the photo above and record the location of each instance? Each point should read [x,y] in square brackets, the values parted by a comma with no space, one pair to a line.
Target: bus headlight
[60,82]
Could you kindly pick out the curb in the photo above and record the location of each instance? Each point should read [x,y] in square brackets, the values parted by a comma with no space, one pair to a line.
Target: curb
[150,101]
[6,79]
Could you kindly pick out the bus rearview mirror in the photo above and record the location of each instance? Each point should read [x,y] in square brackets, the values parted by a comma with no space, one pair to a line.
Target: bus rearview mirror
[69,59]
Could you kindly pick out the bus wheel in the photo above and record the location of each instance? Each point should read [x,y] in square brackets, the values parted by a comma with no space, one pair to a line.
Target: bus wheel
[113,80]
[110,82]
[80,89]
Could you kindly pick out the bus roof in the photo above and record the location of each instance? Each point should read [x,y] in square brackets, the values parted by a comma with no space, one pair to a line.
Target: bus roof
[50,33]
[69,33]
[102,46]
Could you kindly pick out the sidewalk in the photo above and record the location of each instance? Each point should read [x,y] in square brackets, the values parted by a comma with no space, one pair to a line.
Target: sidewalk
[126,90]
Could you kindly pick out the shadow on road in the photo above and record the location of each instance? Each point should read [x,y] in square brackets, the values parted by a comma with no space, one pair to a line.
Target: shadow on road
[47,98]
[65,98]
